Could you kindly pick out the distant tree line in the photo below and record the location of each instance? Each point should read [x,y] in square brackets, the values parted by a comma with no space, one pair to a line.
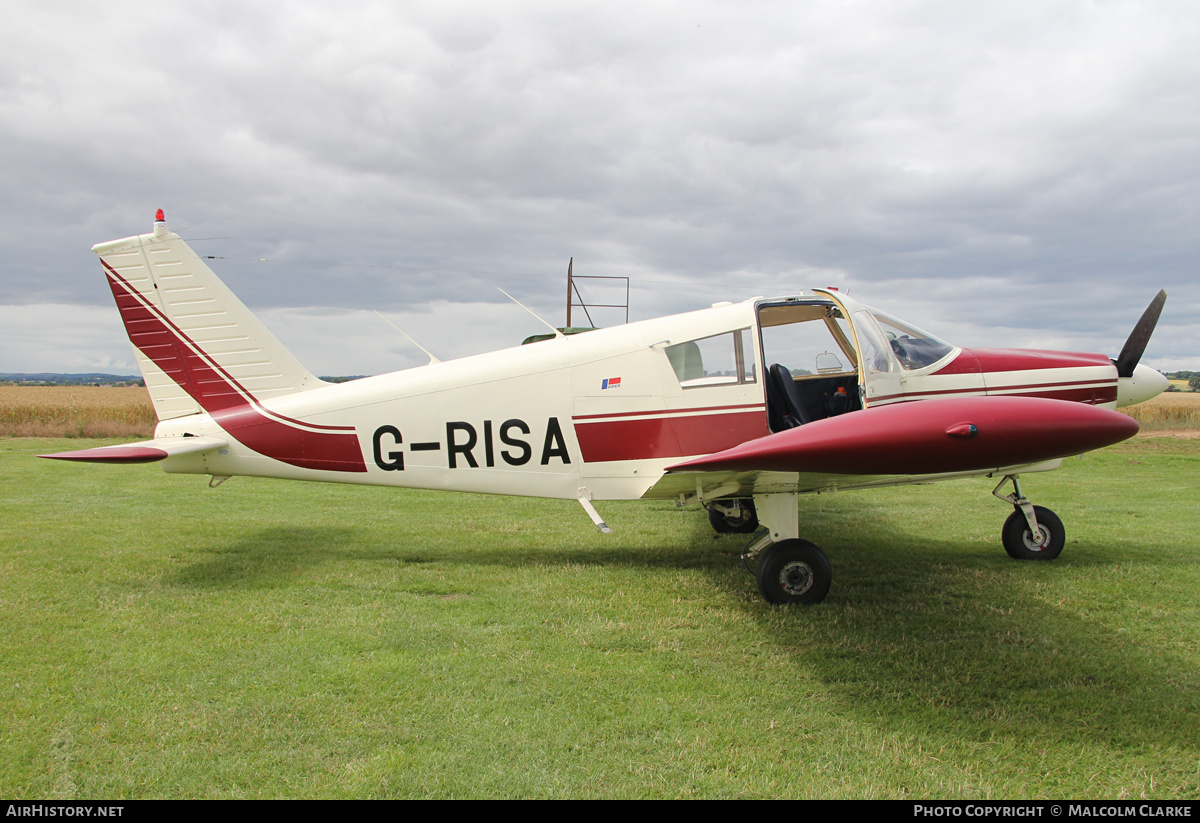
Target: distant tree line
[1193,378]
[52,379]
[99,379]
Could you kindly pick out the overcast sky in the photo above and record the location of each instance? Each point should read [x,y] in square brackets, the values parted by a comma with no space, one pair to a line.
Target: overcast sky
[1002,173]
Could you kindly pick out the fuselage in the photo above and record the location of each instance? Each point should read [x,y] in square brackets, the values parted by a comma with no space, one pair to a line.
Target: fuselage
[740,407]
[600,415]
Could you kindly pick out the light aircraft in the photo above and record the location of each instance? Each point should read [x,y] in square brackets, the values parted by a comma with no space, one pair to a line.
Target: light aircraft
[740,407]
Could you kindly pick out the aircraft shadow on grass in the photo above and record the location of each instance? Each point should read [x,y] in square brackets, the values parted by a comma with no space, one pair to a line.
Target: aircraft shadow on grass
[971,652]
[942,637]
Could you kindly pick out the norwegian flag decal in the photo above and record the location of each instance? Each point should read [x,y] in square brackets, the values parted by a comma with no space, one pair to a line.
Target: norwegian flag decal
[611,383]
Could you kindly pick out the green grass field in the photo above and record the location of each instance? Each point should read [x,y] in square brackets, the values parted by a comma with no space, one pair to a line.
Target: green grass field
[273,639]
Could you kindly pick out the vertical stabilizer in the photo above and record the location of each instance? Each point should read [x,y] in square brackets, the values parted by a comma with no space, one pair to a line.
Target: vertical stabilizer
[197,345]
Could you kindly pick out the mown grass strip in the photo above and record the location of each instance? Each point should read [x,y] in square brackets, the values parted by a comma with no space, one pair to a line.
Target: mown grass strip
[273,639]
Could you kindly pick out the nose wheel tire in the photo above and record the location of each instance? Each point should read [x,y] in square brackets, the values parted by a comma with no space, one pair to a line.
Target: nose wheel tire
[794,571]
[1020,542]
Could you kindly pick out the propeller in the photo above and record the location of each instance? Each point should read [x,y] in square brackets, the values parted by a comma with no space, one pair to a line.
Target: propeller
[1127,361]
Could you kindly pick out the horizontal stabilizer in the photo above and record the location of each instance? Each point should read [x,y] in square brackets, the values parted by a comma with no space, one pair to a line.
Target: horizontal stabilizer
[147,451]
[930,437]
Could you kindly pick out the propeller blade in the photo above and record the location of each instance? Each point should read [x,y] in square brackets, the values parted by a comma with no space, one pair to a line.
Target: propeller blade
[1140,336]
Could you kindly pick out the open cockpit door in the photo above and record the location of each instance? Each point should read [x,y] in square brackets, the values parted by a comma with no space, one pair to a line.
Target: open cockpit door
[810,360]
[826,354]
[879,372]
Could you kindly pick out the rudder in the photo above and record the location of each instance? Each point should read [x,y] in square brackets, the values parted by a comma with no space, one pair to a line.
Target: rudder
[198,347]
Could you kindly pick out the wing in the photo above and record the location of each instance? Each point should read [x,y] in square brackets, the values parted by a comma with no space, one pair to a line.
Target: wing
[913,442]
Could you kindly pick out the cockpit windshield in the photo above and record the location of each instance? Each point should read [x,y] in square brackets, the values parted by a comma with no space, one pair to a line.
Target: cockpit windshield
[914,348]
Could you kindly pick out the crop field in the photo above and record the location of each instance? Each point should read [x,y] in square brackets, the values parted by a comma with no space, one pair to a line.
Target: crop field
[1174,411]
[92,411]
[76,411]
[275,639]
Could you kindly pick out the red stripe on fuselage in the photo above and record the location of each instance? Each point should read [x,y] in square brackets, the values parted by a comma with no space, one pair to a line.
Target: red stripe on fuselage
[233,407]
[1092,392]
[672,433]
[992,362]
[970,361]
[1093,395]
[669,412]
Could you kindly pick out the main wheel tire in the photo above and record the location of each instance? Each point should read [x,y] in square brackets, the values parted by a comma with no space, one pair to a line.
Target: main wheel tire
[794,571]
[726,524]
[1020,543]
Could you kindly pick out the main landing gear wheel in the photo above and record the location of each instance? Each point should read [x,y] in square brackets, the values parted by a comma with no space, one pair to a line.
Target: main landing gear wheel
[1020,543]
[739,519]
[794,571]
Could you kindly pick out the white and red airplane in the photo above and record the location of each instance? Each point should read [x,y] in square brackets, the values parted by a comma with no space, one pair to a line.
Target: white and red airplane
[740,407]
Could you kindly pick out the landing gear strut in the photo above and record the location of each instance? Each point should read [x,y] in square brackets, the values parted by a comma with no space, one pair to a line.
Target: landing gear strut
[790,570]
[1030,532]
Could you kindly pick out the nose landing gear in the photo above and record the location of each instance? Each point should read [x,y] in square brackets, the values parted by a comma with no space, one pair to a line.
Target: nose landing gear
[1030,532]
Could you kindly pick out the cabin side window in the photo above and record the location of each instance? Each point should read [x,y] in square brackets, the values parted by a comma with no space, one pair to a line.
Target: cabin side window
[720,360]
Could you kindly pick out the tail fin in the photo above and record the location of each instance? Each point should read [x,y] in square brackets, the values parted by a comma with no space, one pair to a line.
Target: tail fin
[197,345]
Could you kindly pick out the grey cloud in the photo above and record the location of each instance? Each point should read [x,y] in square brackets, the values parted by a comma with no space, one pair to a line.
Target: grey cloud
[1016,166]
